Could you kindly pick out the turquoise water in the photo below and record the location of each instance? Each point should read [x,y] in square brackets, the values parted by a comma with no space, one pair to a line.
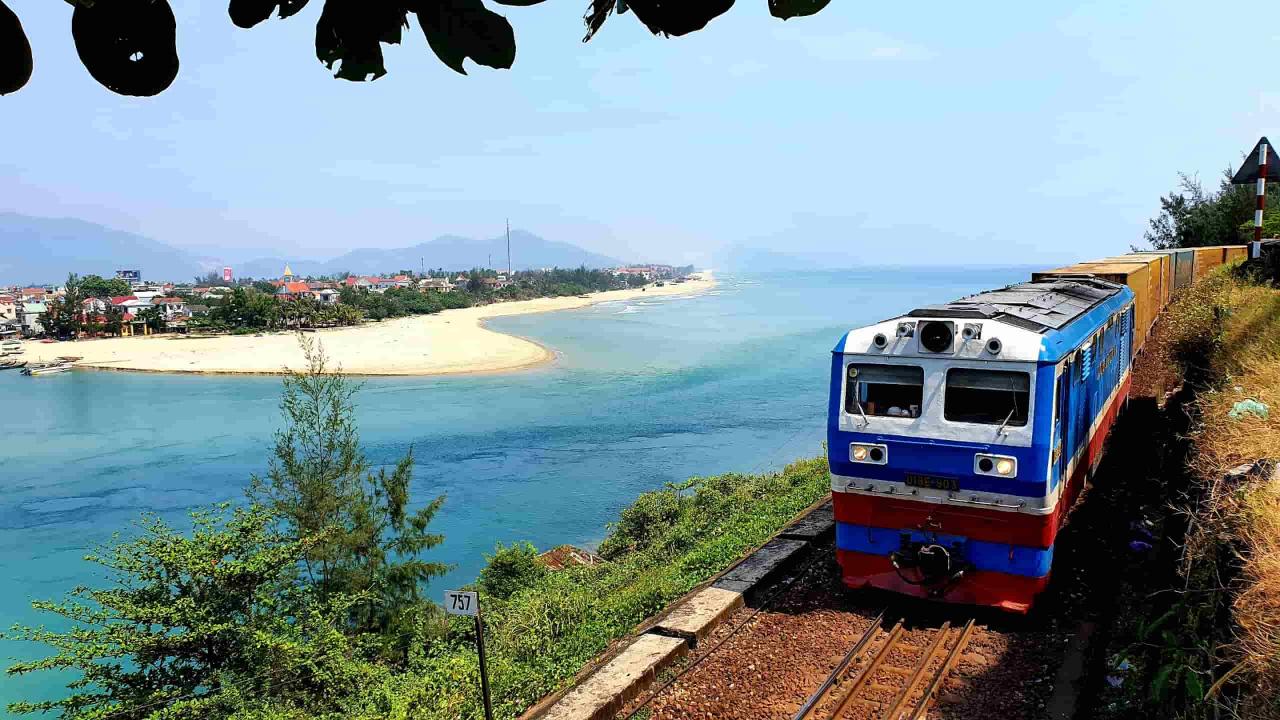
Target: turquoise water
[643,392]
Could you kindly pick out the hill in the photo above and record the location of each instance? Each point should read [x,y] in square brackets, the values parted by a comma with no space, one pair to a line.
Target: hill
[44,250]
[451,252]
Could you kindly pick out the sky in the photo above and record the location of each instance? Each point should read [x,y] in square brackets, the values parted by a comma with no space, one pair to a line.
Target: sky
[885,133]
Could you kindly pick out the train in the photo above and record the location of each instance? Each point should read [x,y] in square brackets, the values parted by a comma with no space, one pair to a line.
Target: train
[959,436]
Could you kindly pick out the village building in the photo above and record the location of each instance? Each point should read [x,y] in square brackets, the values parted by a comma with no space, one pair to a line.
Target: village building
[32,317]
[8,307]
[435,285]
[293,291]
[171,307]
[327,296]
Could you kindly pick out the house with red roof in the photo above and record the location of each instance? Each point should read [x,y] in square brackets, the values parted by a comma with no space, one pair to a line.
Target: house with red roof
[293,291]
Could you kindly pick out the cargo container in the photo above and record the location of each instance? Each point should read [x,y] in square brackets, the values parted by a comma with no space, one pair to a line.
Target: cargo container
[1184,266]
[1136,275]
[1166,274]
[1235,253]
[1160,274]
[1207,258]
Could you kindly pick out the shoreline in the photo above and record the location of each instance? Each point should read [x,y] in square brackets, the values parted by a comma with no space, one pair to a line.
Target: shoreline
[451,342]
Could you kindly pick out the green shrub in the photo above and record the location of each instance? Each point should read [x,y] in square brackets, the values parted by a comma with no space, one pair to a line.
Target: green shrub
[510,569]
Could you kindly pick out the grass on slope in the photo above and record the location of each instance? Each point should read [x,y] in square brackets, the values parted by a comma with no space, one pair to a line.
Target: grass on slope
[553,623]
[1209,645]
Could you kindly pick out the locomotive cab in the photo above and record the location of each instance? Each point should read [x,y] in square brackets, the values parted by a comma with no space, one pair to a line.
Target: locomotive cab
[944,440]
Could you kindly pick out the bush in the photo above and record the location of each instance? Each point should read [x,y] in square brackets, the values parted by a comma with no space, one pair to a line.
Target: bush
[510,569]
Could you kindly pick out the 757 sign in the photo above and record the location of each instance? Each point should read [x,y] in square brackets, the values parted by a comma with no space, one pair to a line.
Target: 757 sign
[457,602]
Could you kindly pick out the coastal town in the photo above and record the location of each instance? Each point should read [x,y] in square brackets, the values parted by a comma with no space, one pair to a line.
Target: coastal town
[231,324]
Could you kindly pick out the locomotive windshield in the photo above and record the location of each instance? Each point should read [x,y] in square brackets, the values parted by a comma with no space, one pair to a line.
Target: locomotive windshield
[991,397]
[884,390]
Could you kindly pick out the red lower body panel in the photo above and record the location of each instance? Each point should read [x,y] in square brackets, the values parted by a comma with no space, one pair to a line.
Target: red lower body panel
[1015,593]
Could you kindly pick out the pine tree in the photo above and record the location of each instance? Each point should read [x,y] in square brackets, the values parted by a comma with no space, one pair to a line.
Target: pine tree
[319,483]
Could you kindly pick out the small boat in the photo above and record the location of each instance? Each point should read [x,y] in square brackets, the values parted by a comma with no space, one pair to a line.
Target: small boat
[69,358]
[12,364]
[50,369]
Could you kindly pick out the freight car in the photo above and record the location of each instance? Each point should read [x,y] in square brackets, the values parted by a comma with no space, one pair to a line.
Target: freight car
[959,436]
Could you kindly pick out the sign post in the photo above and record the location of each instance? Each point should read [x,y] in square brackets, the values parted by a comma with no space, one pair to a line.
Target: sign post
[1254,171]
[457,602]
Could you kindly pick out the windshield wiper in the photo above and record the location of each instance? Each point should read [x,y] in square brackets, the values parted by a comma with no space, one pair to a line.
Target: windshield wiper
[865,421]
[1007,418]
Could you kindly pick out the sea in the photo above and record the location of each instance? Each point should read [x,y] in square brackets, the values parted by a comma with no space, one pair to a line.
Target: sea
[642,392]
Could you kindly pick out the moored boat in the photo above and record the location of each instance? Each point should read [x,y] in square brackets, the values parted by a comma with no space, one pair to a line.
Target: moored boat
[48,369]
[12,364]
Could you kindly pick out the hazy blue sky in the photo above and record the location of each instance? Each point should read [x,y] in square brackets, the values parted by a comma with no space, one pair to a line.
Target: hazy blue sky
[942,132]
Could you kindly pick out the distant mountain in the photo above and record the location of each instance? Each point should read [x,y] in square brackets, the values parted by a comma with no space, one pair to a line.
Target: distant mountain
[451,252]
[43,250]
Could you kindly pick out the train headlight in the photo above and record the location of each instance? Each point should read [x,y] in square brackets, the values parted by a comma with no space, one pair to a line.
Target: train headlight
[868,453]
[995,465]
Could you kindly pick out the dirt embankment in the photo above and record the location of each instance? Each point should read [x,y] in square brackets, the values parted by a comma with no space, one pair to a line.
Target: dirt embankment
[1195,621]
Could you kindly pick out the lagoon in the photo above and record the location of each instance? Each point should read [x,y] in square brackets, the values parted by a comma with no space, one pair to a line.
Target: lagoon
[642,392]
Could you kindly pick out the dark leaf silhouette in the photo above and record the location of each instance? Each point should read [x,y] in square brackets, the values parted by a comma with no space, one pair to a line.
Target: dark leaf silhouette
[677,17]
[130,46]
[350,32]
[787,9]
[518,3]
[247,13]
[597,13]
[15,52]
[461,29]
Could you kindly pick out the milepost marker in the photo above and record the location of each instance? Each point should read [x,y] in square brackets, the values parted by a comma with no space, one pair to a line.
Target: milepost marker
[460,602]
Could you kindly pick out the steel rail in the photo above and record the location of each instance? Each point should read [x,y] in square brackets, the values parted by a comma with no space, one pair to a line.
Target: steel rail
[865,673]
[809,704]
[926,657]
[961,641]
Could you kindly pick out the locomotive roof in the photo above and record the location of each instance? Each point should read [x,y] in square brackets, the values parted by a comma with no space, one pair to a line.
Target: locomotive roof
[1038,305]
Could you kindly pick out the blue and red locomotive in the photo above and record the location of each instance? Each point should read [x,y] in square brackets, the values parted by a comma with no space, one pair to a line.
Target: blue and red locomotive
[960,435]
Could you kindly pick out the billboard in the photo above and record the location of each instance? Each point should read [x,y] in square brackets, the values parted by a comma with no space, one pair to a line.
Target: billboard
[130,275]
[226,274]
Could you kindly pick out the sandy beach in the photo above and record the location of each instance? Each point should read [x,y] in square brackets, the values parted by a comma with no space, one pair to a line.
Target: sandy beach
[450,342]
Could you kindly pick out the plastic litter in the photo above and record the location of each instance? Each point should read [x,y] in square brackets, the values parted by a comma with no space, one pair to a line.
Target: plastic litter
[1249,407]
[1117,679]
[1139,547]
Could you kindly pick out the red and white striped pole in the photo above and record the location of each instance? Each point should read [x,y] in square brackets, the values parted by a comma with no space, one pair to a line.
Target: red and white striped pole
[1262,192]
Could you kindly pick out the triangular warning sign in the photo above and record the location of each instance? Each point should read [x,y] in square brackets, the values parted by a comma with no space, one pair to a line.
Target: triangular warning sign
[1248,173]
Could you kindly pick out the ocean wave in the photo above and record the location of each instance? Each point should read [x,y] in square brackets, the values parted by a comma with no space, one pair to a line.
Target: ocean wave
[628,310]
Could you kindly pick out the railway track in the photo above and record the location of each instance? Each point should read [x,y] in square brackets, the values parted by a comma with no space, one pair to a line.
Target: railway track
[888,674]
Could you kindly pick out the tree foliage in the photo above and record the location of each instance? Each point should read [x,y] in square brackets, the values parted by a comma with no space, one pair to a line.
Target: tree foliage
[510,569]
[1192,216]
[320,484]
[192,624]
[99,287]
[130,47]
